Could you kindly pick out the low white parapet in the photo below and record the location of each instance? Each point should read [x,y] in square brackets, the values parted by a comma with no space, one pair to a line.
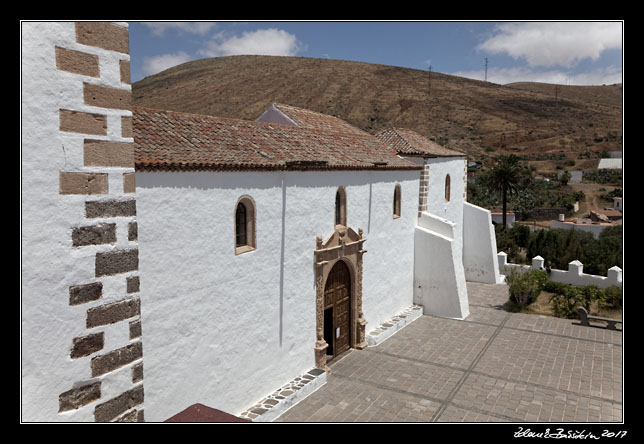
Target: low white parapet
[574,275]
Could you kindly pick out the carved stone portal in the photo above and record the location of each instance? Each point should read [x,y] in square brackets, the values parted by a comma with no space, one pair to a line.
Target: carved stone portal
[343,245]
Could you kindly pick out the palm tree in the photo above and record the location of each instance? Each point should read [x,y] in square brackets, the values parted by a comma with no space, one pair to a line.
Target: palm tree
[505,178]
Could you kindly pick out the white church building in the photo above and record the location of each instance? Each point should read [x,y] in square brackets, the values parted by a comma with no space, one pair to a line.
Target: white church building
[170,259]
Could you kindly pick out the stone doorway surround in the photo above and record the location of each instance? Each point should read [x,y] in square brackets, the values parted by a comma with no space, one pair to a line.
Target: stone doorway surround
[343,245]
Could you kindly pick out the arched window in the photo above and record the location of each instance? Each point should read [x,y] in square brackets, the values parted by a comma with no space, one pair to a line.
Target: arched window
[397,201]
[341,207]
[244,225]
[447,188]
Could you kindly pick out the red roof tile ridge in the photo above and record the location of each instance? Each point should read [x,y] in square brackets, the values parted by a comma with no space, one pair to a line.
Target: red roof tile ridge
[213,117]
[404,133]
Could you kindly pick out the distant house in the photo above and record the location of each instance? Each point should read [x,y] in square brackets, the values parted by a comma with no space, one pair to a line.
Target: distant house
[605,215]
[583,224]
[611,164]
[575,176]
[618,204]
[597,221]
[497,218]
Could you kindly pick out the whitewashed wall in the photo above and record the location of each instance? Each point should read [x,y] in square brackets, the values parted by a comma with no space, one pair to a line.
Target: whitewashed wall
[226,330]
[436,204]
[439,278]
[49,263]
[479,246]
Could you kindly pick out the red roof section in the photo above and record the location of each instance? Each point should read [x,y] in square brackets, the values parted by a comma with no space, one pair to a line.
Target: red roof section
[406,141]
[170,140]
[202,413]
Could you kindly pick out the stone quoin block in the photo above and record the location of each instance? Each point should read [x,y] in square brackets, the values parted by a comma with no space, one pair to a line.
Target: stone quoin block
[81,294]
[135,329]
[132,231]
[110,208]
[87,345]
[94,235]
[77,62]
[114,312]
[137,373]
[108,154]
[83,123]
[109,410]
[115,262]
[78,397]
[126,126]
[107,97]
[129,183]
[132,284]
[124,67]
[82,183]
[103,35]
[132,416]
[116,359]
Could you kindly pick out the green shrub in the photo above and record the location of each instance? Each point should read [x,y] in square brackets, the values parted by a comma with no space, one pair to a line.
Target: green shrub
[525,287]
[611,297]
[565,302]
[566,298]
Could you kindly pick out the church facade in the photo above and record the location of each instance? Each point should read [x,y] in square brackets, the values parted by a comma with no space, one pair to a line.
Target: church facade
[247,252]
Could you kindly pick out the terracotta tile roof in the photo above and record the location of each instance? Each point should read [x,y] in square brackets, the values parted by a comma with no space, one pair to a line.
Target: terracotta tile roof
[406,141]
[319,121]
[170,140]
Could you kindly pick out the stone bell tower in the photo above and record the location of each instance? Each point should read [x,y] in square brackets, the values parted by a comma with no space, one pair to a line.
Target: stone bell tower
[81,335]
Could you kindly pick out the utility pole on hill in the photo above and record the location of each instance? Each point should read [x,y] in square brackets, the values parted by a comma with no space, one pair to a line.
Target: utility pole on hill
[429,94]
[486,69]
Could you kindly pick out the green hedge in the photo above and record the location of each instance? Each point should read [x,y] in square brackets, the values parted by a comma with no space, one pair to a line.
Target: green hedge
[525,287]
[566,298]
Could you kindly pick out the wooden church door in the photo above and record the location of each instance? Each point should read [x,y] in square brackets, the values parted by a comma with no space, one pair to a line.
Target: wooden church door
[337,310]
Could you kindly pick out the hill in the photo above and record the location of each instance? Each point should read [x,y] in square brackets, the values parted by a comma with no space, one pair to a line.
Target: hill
[475,117]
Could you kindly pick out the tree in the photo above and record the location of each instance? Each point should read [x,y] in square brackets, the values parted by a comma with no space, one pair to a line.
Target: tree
[506,178]
[565,177]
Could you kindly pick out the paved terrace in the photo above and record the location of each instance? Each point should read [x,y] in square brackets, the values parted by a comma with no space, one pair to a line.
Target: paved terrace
[493,367]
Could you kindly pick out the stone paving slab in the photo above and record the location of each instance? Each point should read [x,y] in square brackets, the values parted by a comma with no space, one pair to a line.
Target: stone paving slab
[440,341]
[494,366]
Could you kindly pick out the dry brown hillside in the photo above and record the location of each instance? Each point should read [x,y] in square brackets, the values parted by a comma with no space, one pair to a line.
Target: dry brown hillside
[475,117]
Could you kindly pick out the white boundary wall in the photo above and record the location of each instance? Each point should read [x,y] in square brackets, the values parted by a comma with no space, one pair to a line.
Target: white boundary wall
[574,275]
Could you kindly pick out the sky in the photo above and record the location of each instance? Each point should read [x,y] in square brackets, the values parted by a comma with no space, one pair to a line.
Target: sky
[566,53]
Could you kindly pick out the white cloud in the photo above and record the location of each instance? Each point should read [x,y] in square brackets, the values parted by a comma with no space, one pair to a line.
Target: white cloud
[554,43]
[199,28]
[503,76]
[261,42]
[153,65]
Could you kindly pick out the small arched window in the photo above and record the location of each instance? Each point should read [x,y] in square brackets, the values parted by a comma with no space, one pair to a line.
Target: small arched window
[244,225]
[447,187]
[341,207]
[396,201]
